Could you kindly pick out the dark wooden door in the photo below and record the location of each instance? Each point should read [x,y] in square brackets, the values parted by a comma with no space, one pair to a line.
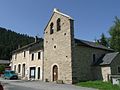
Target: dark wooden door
[55,73]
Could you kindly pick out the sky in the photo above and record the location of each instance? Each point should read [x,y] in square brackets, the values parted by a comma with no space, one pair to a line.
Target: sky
[91,17]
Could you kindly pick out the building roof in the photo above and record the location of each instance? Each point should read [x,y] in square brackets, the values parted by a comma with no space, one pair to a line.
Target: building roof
[31,46]
[91,44]
[4,61]
[108,58]
[35,47]
[59,12]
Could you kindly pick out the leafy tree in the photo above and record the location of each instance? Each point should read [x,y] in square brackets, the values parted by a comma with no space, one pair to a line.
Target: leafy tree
[115,35]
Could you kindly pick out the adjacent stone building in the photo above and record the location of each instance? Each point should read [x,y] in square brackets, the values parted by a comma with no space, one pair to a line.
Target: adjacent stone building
[64,58]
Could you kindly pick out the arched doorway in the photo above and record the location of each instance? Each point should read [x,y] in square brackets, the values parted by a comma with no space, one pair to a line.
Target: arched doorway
[55,73]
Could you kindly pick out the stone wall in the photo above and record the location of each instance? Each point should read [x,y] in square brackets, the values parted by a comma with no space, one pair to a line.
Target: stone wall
[83,69]
[57,49]
[106,71]
[114,65]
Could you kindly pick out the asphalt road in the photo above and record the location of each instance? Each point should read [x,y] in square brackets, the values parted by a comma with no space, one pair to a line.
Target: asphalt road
[16,87]
[38,85]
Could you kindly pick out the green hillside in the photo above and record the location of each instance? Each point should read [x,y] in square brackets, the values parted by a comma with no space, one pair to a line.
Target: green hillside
[10,40]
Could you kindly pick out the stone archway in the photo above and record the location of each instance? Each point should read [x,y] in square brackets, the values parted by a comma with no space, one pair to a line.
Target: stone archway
[55,73]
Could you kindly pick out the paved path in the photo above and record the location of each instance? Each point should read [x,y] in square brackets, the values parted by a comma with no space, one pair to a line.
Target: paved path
[39,85]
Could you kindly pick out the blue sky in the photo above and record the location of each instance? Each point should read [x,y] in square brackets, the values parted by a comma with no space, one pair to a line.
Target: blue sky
[92,17]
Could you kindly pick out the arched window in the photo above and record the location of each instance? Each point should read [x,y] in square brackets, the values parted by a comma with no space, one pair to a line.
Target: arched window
[51,28]
[58,24]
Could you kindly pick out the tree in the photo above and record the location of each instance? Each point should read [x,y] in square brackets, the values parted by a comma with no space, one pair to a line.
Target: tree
[103,40]
[10,40]
[115,35]
[2,68]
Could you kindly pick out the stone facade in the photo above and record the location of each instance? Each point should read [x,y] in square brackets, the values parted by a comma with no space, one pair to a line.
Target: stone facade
[22,63]
[58,49]
[106,71]
[83,60]
[63,58]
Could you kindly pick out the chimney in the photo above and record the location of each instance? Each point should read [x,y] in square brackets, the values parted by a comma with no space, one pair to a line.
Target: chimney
[36,38]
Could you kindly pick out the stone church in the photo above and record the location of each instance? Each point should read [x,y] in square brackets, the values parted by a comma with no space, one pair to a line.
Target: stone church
[61,57]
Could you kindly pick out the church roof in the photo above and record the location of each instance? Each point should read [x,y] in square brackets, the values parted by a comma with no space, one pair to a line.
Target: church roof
[91,44]
[59,12]
[108,58]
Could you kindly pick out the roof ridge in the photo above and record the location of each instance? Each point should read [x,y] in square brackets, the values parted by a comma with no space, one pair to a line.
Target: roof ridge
[58,11]
[92,44]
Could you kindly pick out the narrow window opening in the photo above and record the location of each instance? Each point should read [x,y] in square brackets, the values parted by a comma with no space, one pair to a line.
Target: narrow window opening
[38,72]
[58,24]
[51,28]
[24,54]
[19,68]
[93,58]
[39,55]
[32,57]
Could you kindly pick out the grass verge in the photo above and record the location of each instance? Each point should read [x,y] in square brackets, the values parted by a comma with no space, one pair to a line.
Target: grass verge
[99,85]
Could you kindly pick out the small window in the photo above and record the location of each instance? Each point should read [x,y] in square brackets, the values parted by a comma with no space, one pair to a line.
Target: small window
[51,28]
[24,53]
[93,58]
[19,68]
[58,24]
[39,55]
[32,57]
[118,69]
